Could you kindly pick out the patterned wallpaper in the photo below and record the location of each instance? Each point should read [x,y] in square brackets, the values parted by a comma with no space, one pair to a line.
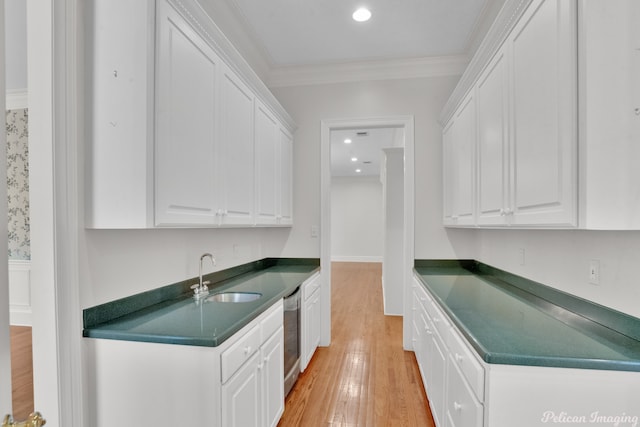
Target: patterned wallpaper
[18,184]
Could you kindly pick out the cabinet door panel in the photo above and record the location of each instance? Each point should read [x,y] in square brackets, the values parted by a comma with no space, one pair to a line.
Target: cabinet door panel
[236,160]
[493,174]
[463,152]
[543,99]
[286,178]
[185,123]
[437,379]
[273,374]
[241,396]
[266,129]
[447,173]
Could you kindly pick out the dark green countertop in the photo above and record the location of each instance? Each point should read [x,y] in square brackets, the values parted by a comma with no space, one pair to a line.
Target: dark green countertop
[171,315]
[514,321]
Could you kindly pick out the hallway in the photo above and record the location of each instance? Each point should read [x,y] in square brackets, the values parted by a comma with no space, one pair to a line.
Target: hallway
[364,378]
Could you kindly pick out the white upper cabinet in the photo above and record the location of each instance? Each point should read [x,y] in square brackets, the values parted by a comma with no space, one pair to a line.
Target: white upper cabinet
[267,142]
[609,106]
[493,143]
[285,168]
[186,123]
[460,165]
[235,160]
[119,101]
[175,138]
[526,122]
[543,102]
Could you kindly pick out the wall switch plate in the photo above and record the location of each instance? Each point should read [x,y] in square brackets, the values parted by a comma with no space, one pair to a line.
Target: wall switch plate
[521,256]
[314,231]
[594,272]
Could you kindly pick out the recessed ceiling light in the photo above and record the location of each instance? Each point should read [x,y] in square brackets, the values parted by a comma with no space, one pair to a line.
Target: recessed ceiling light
[354,159]
[358,170]
[347,141]
[361,15]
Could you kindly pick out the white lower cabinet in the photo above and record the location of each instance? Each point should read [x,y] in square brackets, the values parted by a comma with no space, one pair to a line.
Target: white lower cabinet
[465,391]
[239,383]
[241,396]
[272,353]
[254,396]
[311,318]
[463,409]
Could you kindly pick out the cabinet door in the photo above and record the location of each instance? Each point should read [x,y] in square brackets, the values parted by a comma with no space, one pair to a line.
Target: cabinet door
[266,146]
[311,318]
[463,167]
[543,99]
[236,152]
[447,173]
[437,378]
[273,373]
[285,169]
[241,404]
[186,92]
[493,171]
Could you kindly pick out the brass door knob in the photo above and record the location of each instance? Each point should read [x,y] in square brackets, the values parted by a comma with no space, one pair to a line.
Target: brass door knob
[34,420]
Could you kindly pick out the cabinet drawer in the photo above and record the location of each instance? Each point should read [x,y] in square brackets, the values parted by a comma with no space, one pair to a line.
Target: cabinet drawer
[462,408]
[235,356]
[310,287]
[421,296]
[439,319]
[463,357]
[272,322]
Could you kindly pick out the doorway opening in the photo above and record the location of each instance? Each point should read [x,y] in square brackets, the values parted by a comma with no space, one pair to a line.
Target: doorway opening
[400,152]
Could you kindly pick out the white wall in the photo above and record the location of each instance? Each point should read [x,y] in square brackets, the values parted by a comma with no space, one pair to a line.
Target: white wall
[16,44]
[423,98]
[118,263]
[357,232]
[561,259]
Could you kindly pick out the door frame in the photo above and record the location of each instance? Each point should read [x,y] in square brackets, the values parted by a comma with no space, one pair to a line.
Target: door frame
[54,54]
[326,126]
[5,337]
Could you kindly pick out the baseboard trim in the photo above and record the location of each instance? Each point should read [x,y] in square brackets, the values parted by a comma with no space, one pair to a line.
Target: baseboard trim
[348,258]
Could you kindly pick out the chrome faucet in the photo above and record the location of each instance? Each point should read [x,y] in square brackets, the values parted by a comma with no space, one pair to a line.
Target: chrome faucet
[200,289]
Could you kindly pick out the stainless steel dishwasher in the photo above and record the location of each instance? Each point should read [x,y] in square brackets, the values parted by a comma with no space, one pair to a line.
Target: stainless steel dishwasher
[292,305]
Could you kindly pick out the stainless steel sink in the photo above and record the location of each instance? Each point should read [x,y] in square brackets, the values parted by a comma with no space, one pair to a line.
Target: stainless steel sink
[234,297]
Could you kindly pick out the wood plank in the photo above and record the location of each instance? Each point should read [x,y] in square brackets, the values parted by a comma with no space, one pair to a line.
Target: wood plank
[21,372]
[364,378]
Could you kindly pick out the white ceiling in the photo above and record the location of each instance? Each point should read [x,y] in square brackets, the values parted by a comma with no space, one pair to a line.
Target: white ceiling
[366,148]
[304,32]
[279,35]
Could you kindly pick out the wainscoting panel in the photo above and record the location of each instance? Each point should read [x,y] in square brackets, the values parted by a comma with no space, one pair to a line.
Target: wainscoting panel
[20,292]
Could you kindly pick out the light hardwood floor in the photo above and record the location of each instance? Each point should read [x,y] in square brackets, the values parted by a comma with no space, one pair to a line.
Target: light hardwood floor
[364,378]
[21,372]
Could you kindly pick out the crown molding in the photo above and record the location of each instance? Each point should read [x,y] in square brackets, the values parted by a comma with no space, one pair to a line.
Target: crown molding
[506,20]
[16,99]
[367,71]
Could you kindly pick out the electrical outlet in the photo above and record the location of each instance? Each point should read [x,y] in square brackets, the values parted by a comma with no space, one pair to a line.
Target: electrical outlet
[521,256]
[594,272]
